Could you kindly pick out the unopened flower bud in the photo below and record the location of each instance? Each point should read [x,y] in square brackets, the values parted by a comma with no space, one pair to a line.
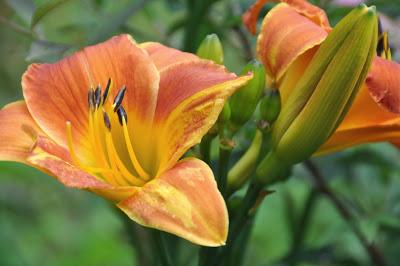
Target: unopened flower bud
[211,49]
[245,100]
[270,106]
[326,91]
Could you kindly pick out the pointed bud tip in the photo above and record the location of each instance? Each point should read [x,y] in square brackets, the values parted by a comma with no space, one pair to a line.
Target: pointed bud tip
[211,49]
[372,10]
[362,6]
[212,36]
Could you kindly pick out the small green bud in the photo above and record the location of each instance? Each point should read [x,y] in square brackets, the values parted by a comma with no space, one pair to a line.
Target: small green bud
[270,106]
[211,49]
[244,101]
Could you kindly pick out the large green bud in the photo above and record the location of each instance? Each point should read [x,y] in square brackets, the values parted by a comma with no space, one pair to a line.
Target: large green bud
[326,91]
[211,49]
[244,101]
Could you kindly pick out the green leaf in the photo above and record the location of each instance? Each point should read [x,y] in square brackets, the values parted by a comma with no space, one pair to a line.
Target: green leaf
[46,51]
[43,9]
[23,8]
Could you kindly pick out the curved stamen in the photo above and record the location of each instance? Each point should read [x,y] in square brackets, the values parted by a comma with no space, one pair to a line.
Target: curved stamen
[122,116]
[114,171]
[75,158]
[126,175]
[131,152]
[118,177]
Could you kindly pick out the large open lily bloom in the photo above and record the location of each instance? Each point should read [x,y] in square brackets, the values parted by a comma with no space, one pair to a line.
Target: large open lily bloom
[115,118]
[290,35]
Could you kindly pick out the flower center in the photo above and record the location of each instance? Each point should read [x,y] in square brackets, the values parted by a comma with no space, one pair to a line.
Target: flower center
[110,165]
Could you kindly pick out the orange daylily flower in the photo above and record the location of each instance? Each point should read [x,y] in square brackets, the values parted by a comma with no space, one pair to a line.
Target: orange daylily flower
[290,35]
[125,144]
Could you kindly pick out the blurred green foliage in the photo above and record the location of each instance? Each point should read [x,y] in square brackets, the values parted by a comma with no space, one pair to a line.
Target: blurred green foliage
[43,223]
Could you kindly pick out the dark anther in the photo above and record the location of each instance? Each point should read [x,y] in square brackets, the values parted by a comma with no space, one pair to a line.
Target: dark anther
[118,99]
[106,90]
[97,96]
[122,116]
[91,99]
[107,120]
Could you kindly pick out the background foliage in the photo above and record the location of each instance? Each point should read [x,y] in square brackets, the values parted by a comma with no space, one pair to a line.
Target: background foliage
[43,223]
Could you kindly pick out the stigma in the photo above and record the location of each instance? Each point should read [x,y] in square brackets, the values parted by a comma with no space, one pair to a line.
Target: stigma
[108,124]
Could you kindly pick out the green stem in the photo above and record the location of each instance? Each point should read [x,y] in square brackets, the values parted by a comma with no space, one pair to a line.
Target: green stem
[223,165]
[197,13]
[244,167]
[239,221]
[17,28]
[239,249]
[134,232]
[205,148]
[161,248]
[301,230]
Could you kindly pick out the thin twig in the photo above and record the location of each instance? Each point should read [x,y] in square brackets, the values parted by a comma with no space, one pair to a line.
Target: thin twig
[301,229]
[373,252]
[17,28]
[248,53]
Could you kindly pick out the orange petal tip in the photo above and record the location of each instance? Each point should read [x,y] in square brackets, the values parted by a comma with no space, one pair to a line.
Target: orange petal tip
[184,201]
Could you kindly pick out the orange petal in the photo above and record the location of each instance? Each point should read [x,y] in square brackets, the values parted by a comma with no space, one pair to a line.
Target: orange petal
[17,133]
[54,160]
[191,97]
[383,82]
[294,72]
[183,201]
[347,138]
[56,93]
[308,10]
[365,113]
[164,56]
[45,154]
[365,122]
[183,80]
[278,46]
